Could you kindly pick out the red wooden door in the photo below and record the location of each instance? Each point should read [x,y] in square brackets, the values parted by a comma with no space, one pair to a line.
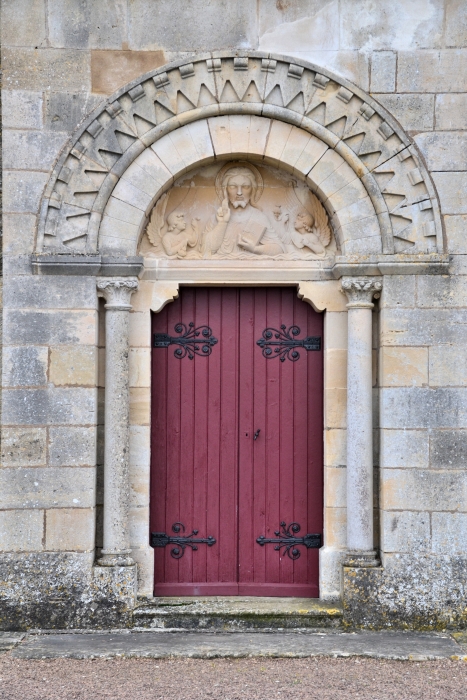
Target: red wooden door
[236,444]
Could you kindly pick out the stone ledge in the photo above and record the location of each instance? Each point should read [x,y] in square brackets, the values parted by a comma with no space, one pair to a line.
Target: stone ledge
[92,265]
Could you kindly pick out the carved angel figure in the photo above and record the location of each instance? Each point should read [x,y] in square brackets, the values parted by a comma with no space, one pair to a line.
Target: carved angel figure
[171,232]
[305,213]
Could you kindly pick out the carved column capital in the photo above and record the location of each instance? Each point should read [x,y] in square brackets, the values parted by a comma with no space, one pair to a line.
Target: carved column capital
[361,290]
[117,292]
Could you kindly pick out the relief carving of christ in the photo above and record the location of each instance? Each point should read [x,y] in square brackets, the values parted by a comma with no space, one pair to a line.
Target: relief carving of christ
[239,212]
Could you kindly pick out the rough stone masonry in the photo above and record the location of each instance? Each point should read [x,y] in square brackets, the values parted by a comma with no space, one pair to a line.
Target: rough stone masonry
[106,104]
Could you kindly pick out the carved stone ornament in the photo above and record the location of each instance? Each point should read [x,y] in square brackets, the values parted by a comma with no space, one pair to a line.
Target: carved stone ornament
[143,136]
[361,290]
[238,210]
[117,292]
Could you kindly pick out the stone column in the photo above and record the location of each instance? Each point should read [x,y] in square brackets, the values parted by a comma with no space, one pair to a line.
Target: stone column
[360,292]
[117,293]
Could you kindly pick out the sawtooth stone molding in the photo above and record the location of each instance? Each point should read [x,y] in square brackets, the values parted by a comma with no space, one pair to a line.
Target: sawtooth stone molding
[254,106]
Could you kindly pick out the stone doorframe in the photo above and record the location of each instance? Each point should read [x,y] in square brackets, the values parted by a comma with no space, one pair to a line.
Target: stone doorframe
[268,109]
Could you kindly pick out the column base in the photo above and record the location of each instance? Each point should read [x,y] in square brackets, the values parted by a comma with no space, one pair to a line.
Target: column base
[121,558]
[362,559]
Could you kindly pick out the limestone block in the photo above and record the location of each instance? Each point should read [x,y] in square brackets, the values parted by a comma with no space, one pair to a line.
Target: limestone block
[418,407]
[298,26]
[116,209]
[335,408]
[432,71]
[153,166]
[24,23]
[193,141]
[52,487]
[335,527]
[383,71]
[323,295]
[31,150]
[451,189]
[64,110]
[111,69]
[70,529]
[448,449]
[140,367]
[22,109]
[456,233]
[413,112]
[278,137]
[448,365]
[359,210]
[144,558]
[335,445]
[140,404]
[423,326]
[403,366]
[417,490]
[451,111]
[30,69]
[50,406]
[449,533]
[97,24]
[364,245]
[18,234]
[141,179]
[335,329]
[258,135]
[21,530]
[335,481]
[404,449]
[140,330]
[138,525]
[140,445]
[335,368]
[441,292]
[25,366]
[198,26]
[455,31]
[396,25]
[127,192]
[73,365]
[54,327]
[405,532]
[444,151]
[326,165]
[24,447]
[72,447]
[398,291]
[22,191]
[57,292]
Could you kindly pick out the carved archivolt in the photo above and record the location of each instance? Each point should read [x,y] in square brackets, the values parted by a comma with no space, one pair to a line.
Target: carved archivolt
[268,110]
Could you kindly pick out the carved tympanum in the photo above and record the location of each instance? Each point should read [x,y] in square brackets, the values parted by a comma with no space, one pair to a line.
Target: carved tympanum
[239,210]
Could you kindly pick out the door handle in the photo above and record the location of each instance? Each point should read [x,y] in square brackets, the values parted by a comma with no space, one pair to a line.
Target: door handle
[256,434]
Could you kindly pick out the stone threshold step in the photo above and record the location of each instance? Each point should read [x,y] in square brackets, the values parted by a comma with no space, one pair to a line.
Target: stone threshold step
[236,613]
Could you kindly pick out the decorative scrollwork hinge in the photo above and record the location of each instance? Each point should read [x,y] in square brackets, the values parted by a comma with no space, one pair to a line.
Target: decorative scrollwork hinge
[288,540]
[161,539]
[283,343]
[190,342]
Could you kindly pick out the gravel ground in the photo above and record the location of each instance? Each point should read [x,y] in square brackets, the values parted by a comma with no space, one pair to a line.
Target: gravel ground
[230,679]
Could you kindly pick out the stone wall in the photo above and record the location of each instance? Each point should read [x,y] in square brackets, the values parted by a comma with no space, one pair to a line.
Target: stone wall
[61,59]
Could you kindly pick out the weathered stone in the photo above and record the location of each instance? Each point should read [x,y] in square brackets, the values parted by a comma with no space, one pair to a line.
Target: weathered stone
[140,367]
[49,406]
[111,70]
[405,531]
[455,30]
[24,23]
[24,447]
[42,69]
[448,449]
[25,366]
[51,487]
[456,233]
[423,408]
[298,27]
[54,327]
[383,72]
[102,24]
[31,150]
[139,406]
[423,326]
[50,293]
[64,111]
[432,71]
[18,234]
[423,490]
[451,188]
[414,112]
[70,529]
[73,365]
[22,191]
[451,111]
[407,449]
[442,292]
[336,484]
[444,151]
[335,448]
[22,109]
[403,366]
[449,533]
[398,291]
[72,447]
[447,366]
[22,530]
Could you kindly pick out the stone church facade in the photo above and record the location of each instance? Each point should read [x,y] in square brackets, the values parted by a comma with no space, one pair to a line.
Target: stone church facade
[150,149]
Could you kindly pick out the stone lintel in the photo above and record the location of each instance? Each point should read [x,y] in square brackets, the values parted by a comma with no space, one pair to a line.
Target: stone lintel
[392,265]
[92,265]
